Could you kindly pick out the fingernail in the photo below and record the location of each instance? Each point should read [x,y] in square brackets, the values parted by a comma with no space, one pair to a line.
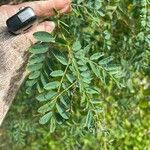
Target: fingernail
[67,2]
[65,9]
[49,26]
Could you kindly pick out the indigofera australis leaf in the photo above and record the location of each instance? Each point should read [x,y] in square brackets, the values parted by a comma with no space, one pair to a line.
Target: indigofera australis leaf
[44,119]
[44,36]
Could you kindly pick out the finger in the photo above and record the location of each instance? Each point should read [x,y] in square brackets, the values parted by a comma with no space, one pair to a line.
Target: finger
[66,9]
[45,8]
[44,26]
[42,8]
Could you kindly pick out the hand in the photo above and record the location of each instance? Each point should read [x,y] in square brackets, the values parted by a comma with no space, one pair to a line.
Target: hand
[13,49]
[42,8]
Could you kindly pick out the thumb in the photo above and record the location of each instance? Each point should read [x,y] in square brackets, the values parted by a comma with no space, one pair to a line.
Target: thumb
[47,26]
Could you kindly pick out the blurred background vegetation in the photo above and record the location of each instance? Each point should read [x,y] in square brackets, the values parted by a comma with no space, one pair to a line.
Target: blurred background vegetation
[123,31]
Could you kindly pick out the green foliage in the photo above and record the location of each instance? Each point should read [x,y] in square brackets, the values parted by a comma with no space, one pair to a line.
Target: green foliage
[88,82]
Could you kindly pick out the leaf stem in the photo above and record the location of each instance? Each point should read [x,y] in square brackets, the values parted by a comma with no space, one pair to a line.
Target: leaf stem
[63,91]
[61,81]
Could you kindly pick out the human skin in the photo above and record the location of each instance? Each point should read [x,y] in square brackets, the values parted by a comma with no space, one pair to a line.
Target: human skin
[14,49]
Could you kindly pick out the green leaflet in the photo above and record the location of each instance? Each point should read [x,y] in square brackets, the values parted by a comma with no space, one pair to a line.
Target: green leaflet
[76,46]
[41,97]
[44,119]
[46,96]
[43,80]
[95,69]
[52,85]
[96,56]
[79,54]
[61,41]
[50,95]
[36,59]
[106,60]
[30,83]
[39,48]
[45,108]
[86,74]
[64,101]
[57,73]
[92,90]
[89,118]
[87,49]
[87,80]
[34,75]
[44,36]
[59,118]
[62,111]
[39,87]
[113,68]
[34,67]
[81,62]
[52,125]
[83,68]
[70,77]
[61,59]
